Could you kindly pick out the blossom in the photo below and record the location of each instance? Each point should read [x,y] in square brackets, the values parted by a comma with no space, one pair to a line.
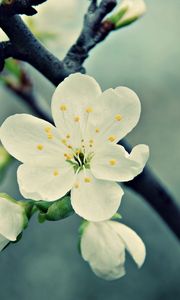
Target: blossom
[128,11]
[79,154]
[12,219]
[103,246]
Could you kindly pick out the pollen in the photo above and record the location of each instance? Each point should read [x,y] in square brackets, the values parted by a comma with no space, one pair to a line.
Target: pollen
[111,138]
[63,107]
[56,173]
[69,146]
[97,130]
[68,136]
[89,109]
[118,117]
[40,147]
[112,162]
[77,119]
[76,185]
[87,179]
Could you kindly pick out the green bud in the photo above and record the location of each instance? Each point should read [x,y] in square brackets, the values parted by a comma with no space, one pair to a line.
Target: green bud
[5,160]
[127,12]
[55,211]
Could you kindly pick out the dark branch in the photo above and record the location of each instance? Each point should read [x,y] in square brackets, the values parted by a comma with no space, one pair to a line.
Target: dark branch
[13,7]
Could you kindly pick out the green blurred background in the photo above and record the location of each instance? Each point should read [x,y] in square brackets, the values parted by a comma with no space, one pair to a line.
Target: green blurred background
[46,263]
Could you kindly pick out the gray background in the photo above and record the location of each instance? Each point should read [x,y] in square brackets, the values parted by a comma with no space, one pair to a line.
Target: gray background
[46,263]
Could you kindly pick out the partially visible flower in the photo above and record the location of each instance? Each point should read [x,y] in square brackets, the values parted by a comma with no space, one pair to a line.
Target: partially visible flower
[81,154]
[13,219]
[128,12]
[103,246]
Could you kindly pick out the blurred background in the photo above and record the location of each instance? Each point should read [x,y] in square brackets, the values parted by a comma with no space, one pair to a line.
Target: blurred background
[145,57]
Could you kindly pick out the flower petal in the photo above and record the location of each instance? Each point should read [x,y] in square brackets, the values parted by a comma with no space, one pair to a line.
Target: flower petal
[132,241]
[104,250]
[11,219]
[28,138]
[72,103]
[116,114]
[45,183]
[3,242]
[93,199]
[112,162]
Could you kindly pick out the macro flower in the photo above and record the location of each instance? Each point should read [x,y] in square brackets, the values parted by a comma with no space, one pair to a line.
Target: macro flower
[79,154]
[12,220]
[103,246]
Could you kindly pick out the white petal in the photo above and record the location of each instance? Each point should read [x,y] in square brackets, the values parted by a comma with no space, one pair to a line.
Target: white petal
[112,162]
[104,250]
[25,138]
[71,99]
[45,183]
[116,114]
[132,241]
[11,219]
[3,242]
[97,200]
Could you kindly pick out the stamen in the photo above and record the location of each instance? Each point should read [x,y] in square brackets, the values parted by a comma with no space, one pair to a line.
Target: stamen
[77,119]
[118,117]
[111,138]
[50,136]
[97,130]
[112,162]
[40,147]
[68,136]
[47,129]
[87,179]
[63,107]
[89,109]
[63,141]
[56,173]
[76,185]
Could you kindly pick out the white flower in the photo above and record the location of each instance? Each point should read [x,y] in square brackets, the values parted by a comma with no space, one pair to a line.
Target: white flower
[79,154]
[130,10]
[12,220]
[103,246]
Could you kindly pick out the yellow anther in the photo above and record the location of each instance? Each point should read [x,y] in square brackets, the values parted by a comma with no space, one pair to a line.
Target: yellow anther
[112,162]
[78,152]
[48,129]
[97,130]
[56,173]
[91,141]
[76,185]
[87,179]
[65,154]
[69,146]
[68,136]
[40,147]
[69,157]
[111,138]
[63,141]
[63,107]
[118,117]
[89,109]
[77,119]
[50,136]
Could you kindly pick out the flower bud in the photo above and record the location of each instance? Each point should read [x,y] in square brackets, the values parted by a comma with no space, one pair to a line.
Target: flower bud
[13,219]
[128,12]
[58,210]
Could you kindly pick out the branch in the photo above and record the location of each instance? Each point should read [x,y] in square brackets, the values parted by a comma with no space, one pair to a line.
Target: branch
[13,7]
